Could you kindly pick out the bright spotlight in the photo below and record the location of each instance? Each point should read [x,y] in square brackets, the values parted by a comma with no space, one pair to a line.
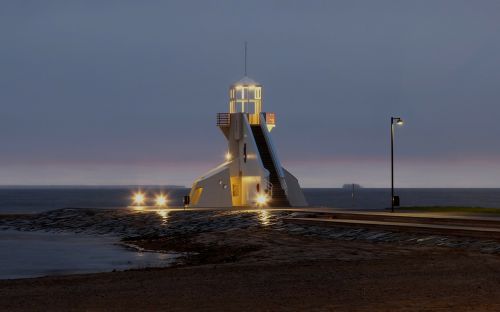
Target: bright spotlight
[139,198]
[262,199]
[228,156]
[161,200]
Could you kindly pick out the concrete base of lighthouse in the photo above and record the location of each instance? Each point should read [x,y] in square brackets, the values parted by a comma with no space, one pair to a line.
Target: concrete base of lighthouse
[208,192]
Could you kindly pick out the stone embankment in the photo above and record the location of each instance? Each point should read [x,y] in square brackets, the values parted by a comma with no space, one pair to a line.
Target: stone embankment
[129,223]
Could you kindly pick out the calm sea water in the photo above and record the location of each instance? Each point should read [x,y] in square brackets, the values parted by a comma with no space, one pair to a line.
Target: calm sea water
[34,254]
[30,200]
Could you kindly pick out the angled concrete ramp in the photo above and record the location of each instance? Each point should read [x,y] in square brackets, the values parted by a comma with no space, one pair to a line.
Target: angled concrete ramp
[482,227]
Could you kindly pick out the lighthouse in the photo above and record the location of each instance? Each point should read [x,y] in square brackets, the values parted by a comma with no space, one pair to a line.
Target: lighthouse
[252,174]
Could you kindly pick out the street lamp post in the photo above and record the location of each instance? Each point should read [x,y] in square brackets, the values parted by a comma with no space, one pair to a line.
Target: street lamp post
[398,121]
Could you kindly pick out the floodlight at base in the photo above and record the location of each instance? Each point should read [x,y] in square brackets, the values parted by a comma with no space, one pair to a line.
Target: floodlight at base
[139,199]
[262,200]
[161,200]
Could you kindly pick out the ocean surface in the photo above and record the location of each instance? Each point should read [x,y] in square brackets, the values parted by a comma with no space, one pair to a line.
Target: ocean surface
[38,199]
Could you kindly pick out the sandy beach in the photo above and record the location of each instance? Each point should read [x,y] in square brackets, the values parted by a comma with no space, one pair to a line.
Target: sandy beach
[266,268]
[319,276]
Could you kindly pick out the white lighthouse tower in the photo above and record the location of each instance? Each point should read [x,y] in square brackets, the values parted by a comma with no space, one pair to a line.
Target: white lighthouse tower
[252,173]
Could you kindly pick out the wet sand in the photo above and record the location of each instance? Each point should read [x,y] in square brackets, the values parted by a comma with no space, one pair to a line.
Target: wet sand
[259,269]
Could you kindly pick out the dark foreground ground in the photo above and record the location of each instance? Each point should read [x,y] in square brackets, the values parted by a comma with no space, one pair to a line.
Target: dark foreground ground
[279,272]
[252,261]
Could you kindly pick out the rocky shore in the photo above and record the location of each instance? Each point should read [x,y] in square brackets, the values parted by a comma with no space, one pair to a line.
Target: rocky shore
[133,224]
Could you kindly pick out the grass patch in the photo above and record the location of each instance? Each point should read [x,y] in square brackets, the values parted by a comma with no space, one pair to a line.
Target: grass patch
[452,209]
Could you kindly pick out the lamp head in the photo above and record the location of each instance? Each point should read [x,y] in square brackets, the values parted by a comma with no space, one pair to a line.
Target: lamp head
[397,120]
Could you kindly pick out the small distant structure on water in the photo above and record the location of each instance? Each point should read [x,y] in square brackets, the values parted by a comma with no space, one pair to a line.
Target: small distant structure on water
[352,186]
[252,174]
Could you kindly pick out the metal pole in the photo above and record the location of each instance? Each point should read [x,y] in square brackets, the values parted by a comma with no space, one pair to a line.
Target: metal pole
[353,194]
[245,58]
[392,164]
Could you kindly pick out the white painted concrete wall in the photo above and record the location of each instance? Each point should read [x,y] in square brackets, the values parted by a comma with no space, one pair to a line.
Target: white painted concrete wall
[295,195]
[216,186]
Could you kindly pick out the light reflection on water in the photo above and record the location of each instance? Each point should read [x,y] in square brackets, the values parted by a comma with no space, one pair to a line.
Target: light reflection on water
[163,213]
[264,217]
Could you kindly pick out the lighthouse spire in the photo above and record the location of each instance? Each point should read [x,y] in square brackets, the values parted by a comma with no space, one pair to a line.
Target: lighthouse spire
[245,58]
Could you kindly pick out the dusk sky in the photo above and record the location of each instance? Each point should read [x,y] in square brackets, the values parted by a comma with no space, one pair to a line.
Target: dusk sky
[126,92]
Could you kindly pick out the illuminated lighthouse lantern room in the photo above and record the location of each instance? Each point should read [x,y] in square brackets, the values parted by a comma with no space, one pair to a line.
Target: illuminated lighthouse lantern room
[252,174]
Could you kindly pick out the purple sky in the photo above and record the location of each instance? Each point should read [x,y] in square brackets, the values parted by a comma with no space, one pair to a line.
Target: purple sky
[126,92]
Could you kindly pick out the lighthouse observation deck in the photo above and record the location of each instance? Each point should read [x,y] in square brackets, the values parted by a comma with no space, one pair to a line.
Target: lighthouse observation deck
[224,119]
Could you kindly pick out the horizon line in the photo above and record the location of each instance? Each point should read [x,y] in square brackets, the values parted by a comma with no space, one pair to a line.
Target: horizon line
[186,187]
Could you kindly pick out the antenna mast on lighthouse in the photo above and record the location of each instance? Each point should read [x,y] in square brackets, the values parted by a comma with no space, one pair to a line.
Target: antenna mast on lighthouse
[245,58]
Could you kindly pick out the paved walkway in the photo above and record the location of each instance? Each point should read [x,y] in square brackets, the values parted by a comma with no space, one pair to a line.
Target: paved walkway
[438,229]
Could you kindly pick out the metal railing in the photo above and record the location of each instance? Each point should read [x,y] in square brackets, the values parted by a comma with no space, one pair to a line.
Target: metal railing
[270,118]
[268,187]
[223,119]
[276,162]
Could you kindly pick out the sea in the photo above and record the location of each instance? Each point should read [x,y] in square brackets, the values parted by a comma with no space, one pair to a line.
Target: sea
[34,199]
[35,254]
